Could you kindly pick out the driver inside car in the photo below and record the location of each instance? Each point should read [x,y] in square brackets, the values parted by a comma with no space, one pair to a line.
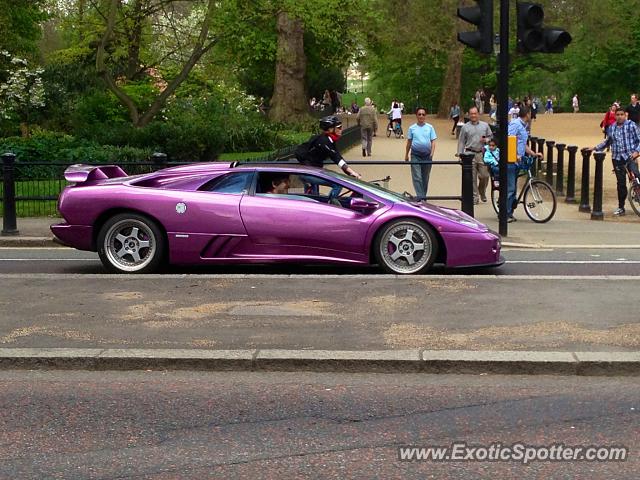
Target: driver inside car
[278,184]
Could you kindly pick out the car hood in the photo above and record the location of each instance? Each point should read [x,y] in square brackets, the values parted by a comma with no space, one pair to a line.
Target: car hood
[450,214]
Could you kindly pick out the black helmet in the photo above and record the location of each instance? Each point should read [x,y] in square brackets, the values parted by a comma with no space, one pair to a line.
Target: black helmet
[329,122]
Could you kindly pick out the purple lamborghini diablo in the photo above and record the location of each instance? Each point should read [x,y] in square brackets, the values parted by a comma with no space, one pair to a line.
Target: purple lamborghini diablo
[217,213]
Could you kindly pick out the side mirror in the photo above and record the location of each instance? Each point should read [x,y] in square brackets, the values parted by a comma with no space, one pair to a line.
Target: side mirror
[361,205]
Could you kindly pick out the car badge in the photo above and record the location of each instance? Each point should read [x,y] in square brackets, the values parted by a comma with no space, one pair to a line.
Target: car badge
[181,207]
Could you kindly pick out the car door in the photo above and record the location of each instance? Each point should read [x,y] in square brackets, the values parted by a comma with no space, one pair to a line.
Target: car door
[208,221]
[298,225]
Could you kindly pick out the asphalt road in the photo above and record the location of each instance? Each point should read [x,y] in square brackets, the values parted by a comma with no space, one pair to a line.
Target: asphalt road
[168,425]
[327,312]
[519,262]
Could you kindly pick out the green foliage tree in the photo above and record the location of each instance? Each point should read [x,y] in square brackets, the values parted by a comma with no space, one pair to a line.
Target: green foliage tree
[20,26]
[134,17]
[287,34]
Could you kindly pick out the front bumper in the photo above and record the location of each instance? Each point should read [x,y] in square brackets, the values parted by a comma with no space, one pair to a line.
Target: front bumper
[473,249]
[75,236]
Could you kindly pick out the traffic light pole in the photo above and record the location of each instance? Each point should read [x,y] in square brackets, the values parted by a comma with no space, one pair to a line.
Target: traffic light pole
[502,113]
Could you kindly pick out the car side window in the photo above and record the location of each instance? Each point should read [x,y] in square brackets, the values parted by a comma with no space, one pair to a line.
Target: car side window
[236,182]
[283,185]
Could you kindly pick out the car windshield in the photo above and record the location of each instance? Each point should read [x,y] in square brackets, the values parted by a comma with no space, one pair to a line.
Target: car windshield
[371,187]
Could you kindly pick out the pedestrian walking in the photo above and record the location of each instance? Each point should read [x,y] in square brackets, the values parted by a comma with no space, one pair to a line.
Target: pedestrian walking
[609,119]
[326,101]
[575,103]
[421,144]
[624,139]
[549,106]
[454,115]
[474,135]
[493,105]
[633,110]
[368,120]
[477,99]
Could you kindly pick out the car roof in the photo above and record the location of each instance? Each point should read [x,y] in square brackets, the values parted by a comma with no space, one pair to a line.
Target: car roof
[276,166]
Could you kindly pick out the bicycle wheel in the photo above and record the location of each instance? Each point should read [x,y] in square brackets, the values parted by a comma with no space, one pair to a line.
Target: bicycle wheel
[495,196]
[634,197]
[388,132]
[398,132]
[539,201]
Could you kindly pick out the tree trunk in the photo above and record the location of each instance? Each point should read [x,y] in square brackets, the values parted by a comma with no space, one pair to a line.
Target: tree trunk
[134,40]
[451,85]
[289,102]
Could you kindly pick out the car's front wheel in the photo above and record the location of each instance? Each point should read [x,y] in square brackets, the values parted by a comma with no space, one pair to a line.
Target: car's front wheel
[131,243]
[406,246]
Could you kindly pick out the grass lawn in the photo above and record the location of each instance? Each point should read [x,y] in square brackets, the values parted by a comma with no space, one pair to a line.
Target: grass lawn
[37,188]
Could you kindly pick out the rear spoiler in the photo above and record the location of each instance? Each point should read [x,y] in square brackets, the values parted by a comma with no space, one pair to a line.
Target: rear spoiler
[90,173]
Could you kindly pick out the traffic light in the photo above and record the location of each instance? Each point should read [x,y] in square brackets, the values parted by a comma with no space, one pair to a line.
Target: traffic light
[482,16]
[533,36]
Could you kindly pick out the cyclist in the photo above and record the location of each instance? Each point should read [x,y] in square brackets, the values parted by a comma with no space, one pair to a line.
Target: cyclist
[395,117]
[321,147]
[518,128]
[624,139]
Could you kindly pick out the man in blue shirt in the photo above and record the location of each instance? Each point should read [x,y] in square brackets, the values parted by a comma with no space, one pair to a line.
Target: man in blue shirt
[624,139]
[421,143]
[518,128]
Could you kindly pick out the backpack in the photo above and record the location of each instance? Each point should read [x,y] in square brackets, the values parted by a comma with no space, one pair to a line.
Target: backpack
[303,151]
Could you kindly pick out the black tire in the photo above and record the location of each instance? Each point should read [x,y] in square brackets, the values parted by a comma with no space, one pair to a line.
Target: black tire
[539,201]
[634,197]
[412,233]
[388,132]
[398,132]
[495,197]
[131,243]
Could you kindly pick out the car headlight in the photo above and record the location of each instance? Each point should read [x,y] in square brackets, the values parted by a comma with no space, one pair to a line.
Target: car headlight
[470,224]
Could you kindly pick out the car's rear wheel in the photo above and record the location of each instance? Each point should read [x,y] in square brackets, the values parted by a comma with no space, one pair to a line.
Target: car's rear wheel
[131,243]
[406,246]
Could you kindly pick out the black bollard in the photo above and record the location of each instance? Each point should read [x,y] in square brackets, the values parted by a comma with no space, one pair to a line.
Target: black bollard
[9,225]
[584,184]
[159,158]
[541,151]
[571,175]
[560,169]
[467,183]
[549,178]
[596,213]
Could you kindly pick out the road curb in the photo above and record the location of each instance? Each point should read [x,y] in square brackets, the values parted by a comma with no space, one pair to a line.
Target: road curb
[386,361]
[23,242]
[507,244]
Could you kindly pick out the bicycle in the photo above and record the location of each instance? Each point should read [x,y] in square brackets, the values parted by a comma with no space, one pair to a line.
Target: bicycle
[536,195]
[634,191]
[394,127]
